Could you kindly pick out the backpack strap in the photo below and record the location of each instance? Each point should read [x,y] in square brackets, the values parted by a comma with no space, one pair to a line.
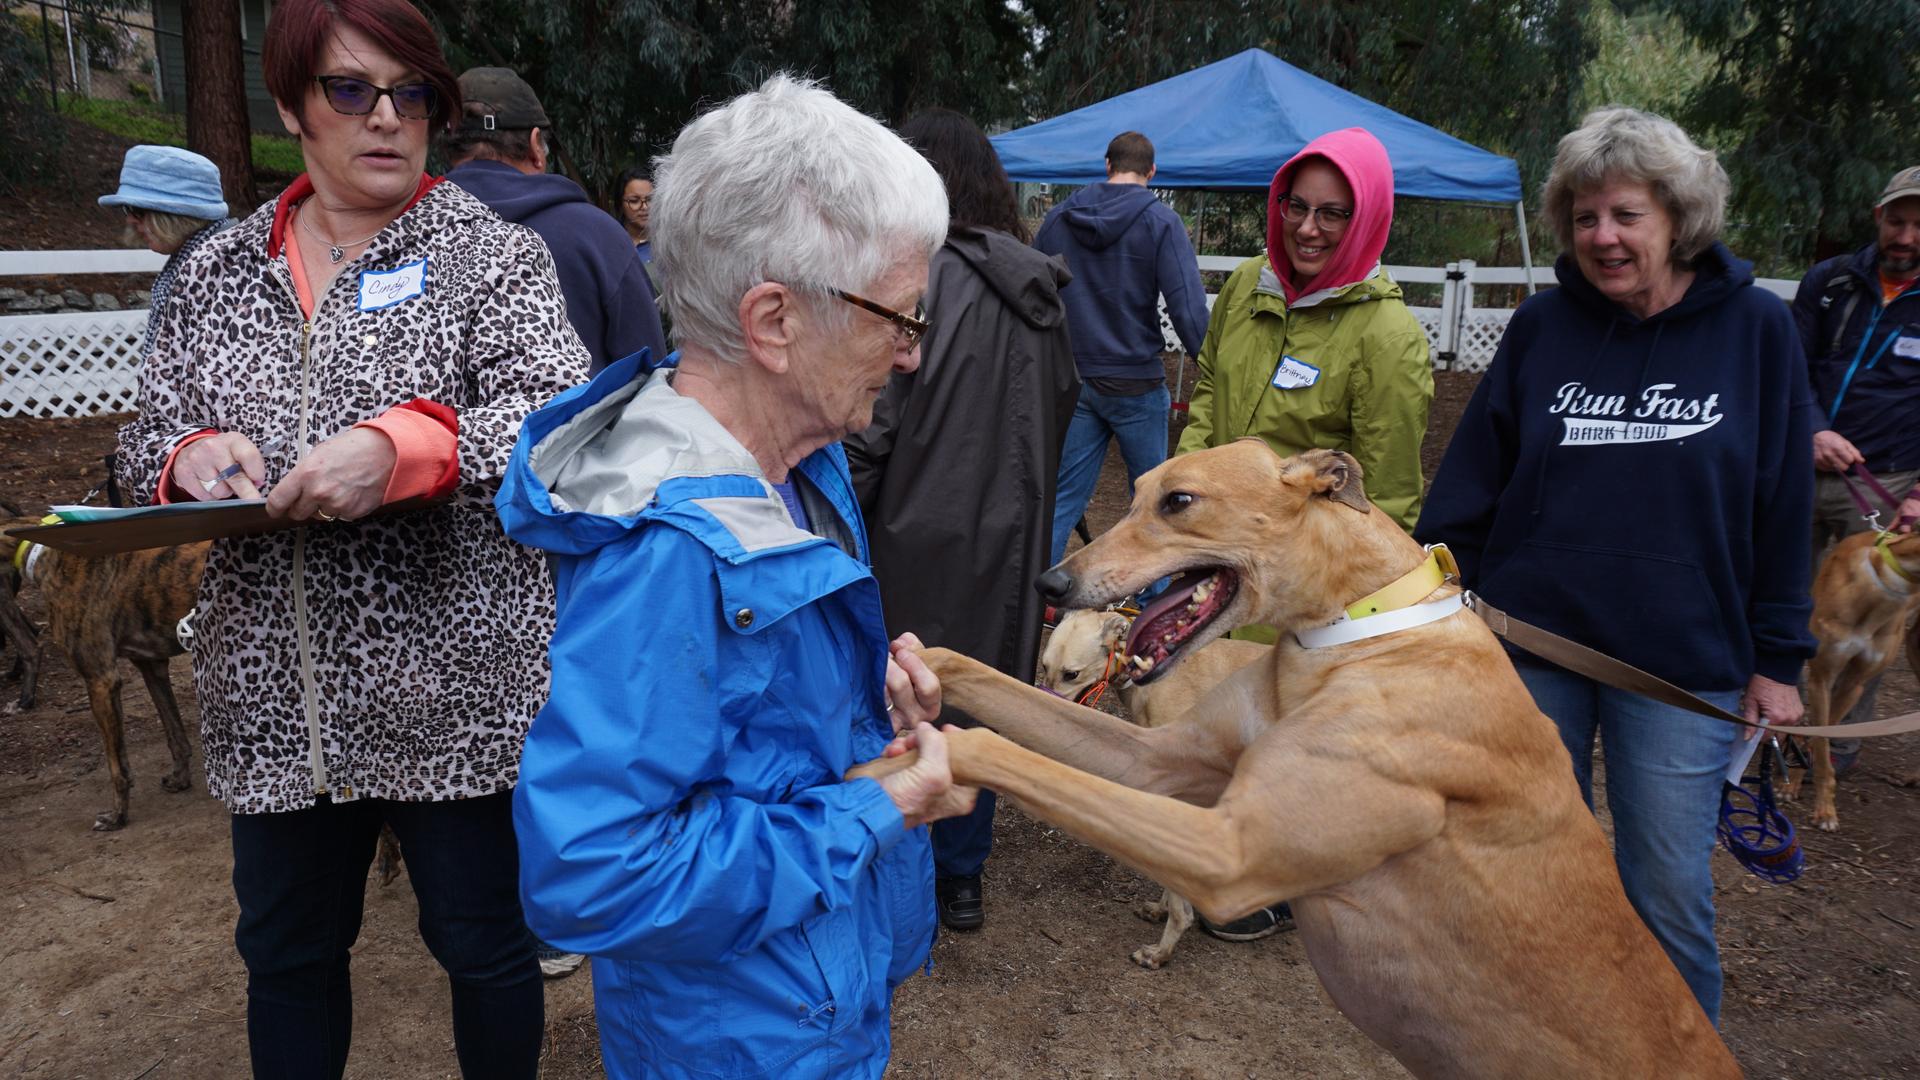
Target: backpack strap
[1846,283]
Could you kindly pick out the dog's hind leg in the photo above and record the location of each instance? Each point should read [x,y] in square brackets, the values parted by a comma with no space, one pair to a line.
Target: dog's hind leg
[160,688]
[103,691]
[1179,916]
[25,640]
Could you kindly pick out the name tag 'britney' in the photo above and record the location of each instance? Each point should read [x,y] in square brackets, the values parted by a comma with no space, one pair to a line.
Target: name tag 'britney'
[385,288]
[1294,374]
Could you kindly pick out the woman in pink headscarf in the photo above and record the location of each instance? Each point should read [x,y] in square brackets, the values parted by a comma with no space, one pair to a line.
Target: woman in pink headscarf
[1311,345]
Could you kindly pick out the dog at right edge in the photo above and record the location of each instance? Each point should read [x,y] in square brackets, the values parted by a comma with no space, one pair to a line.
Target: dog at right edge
[1863,597]
[1452,891]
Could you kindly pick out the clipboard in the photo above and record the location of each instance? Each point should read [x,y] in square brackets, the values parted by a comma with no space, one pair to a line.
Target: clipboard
[112,531]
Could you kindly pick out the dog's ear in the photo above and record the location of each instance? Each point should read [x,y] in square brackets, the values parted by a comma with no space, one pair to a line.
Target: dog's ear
[1113,630]
[1337,477]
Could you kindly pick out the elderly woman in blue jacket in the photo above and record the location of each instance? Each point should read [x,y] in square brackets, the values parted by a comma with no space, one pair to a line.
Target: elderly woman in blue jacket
[719,660]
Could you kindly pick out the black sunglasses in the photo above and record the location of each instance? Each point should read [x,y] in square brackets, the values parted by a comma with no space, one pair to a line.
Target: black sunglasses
[357,97]
[913,327]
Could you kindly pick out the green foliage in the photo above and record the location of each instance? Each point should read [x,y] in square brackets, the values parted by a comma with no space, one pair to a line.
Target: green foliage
[1812,103]
[146,124]
[30,139]
[621,77]
[1644,61]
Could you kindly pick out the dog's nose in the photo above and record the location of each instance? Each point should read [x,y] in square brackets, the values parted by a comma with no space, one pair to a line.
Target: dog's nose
[1054,585]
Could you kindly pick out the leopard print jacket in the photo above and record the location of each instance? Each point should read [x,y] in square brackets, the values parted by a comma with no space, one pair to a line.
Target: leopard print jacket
[425,632]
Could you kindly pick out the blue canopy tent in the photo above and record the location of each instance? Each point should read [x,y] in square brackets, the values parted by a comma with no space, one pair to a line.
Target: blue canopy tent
[1233,123]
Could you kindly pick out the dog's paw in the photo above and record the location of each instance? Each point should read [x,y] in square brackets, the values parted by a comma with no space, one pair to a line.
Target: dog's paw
[1911,779]
[1826,818]
[1154,912]
[1151,957]
[175,782]
[109,821]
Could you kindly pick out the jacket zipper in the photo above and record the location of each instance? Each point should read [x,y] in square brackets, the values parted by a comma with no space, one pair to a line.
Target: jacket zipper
[309,691]
[303,645]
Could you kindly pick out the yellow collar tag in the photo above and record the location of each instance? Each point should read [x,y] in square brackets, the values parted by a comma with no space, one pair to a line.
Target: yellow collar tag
[1411,587]
[1884,546]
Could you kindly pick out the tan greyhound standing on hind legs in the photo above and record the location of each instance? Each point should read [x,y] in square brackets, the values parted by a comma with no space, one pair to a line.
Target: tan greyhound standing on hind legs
[1452,891]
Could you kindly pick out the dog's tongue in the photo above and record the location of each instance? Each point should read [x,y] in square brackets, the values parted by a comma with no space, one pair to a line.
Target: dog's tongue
[1176,596]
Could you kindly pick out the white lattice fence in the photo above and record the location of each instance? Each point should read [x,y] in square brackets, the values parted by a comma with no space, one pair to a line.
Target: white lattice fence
[1480,332]
[83,364]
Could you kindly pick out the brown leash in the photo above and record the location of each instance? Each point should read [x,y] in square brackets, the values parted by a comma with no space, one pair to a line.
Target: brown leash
[1602,668]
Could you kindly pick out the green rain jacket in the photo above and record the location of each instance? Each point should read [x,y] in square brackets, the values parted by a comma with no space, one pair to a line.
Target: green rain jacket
[1359,378]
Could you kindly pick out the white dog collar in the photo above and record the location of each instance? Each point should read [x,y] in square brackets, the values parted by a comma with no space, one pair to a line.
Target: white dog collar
[1346,629]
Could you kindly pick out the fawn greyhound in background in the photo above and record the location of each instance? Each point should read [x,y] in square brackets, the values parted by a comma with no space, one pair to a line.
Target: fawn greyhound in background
[1451,889]
[1086,651]
[1866,592]
[101,608]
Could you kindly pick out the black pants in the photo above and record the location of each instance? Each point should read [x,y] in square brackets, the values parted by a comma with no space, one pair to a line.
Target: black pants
[301,881]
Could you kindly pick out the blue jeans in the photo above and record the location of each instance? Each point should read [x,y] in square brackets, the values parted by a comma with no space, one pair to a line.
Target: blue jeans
[1140,423]
[961,844]
[301,880]
[1664,770]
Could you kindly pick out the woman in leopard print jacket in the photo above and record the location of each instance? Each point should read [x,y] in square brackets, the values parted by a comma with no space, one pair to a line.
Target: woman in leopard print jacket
[373,336]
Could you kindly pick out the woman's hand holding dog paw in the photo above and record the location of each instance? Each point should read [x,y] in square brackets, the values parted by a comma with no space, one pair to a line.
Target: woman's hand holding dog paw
[924,791]
[913,690]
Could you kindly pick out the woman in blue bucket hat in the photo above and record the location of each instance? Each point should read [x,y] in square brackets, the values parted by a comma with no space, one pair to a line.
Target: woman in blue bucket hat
[172,200]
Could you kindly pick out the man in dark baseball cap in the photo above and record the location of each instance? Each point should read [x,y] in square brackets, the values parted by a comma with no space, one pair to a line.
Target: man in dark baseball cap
[1859,318]
[498,151]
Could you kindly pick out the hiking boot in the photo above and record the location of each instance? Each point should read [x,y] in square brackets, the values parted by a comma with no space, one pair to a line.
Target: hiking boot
[961,905]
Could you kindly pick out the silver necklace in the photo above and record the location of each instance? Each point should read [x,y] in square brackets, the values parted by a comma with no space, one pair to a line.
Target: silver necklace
[335,252]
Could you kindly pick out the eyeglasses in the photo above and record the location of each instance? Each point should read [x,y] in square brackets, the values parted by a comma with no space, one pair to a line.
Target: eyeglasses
[357,97]
[912,327]
[638,202]
[1331,219]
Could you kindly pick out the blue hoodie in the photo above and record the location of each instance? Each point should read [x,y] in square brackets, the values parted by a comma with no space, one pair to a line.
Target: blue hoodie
[1868,385]
[609,301]
[1643,486]
[1126,248]
[681,815]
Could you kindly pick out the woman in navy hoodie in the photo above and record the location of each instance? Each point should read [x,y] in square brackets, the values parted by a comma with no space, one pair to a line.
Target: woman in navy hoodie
[1634,473]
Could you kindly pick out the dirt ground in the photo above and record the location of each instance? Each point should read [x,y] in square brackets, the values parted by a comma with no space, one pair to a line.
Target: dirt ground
[116,955]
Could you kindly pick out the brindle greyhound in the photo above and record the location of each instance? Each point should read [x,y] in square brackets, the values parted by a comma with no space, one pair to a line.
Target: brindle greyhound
[1453,893]
[102,608]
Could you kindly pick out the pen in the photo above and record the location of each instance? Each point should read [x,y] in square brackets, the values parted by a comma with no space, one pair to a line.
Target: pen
[234,469]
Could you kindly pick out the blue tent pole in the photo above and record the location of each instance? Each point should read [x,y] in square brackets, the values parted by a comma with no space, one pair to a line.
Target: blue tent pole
[1526,248]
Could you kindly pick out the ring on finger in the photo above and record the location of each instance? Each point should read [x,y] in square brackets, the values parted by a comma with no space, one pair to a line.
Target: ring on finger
[209,485]
[324,516]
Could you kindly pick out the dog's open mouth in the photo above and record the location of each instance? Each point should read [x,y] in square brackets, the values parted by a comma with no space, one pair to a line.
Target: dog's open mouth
[1177,616]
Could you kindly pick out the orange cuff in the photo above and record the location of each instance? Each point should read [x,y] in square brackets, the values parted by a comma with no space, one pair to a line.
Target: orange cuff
[166,471]
[425,437]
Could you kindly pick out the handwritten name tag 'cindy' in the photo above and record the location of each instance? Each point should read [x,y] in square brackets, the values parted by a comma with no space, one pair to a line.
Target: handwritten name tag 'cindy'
[1293,374]
[385,288]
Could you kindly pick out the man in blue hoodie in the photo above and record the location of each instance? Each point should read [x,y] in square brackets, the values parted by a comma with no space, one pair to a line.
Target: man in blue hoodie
[1126,249]
[498,153]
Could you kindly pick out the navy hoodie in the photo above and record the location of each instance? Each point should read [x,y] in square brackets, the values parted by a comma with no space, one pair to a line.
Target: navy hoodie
[1125,248]
[1643,486]
[1873,374]
[609,301]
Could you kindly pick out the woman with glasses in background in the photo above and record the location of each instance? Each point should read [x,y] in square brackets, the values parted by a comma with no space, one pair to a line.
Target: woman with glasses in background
[1311,345]
[635,209]
[370,337]
[173,204]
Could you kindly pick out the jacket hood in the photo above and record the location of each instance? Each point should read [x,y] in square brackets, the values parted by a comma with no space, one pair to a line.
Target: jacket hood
[1027,280]
[1369,172]
[589,466]
[1100,214]
[515,195]
[1718,274]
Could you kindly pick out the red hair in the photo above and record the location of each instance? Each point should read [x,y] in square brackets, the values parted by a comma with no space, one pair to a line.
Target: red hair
[298,32]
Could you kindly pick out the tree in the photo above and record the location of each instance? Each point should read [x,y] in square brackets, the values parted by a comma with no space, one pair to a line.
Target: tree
[217,124]
[1811,101]
[620,78]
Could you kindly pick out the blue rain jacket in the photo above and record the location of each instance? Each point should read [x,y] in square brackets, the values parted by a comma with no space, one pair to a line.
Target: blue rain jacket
[681,814]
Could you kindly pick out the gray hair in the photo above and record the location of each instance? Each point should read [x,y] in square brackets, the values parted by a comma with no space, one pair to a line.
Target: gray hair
[788,184]
[1617,143]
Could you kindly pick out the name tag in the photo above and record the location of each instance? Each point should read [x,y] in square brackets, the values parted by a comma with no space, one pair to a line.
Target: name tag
[385,288]
[1293,374]
[1908,347]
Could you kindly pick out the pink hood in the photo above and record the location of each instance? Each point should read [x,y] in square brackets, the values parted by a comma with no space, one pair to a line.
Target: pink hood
[1363,161]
